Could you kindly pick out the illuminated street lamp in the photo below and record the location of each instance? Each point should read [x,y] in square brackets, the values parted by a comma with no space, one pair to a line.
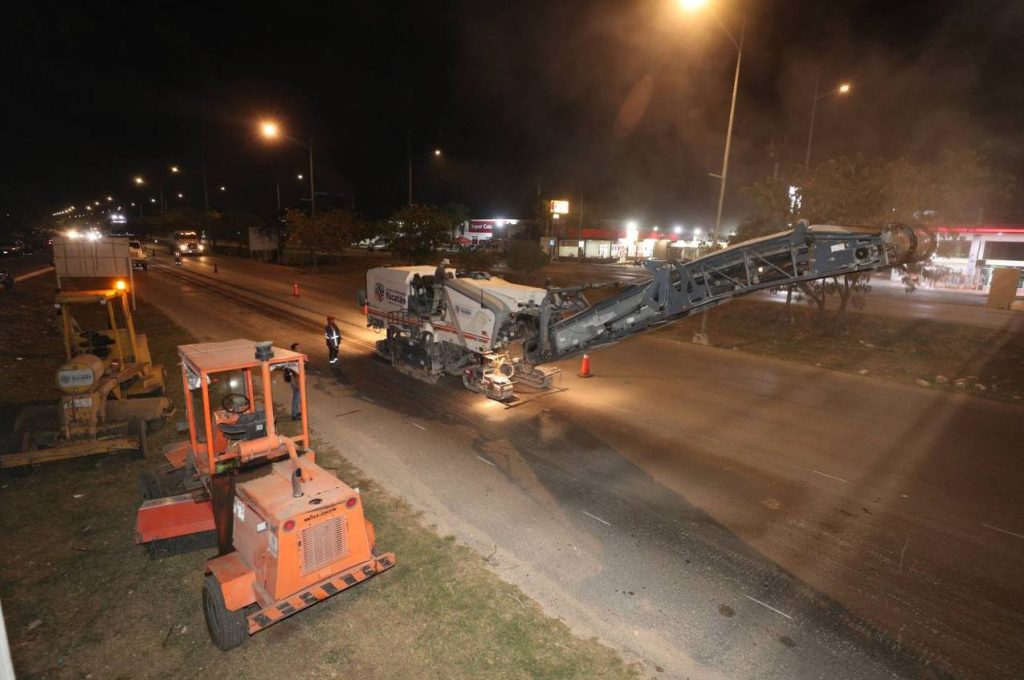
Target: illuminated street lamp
[277,187]
[139,181]
[271,131]
[175,169]
[223,188]
[436,153]
[696,5]
[841,89]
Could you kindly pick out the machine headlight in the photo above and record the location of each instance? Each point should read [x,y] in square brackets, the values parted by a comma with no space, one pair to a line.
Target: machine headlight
[200,247]
[182,247]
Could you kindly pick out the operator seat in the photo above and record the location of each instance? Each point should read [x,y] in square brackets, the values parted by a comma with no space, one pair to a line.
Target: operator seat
[247,426]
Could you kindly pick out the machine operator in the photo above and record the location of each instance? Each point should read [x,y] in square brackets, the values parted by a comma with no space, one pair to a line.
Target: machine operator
[439,276]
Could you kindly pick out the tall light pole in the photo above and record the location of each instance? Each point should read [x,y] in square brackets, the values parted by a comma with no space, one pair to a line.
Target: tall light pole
[277,186]
[139,182]
[693,6]
[842,88]
[270,130]
[409,159]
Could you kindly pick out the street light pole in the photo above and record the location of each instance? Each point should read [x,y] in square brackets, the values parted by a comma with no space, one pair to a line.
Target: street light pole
[312,184]
[814,111]
[728,135]
[408,157]
[206,199]
[842,89]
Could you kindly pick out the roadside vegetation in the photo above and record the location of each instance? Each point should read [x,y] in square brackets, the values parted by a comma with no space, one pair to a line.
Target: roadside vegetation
[82,601]
[936,355]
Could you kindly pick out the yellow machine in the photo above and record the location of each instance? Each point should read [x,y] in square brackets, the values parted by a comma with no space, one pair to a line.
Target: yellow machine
[110,388]
[124,353]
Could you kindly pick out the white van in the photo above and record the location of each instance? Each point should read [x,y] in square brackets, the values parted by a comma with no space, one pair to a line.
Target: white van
[138,254]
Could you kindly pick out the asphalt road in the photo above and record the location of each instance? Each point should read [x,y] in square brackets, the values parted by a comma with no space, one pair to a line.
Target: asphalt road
[709,513]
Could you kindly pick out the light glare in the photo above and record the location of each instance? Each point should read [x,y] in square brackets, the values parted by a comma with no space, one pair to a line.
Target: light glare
[692,5]
[269,129]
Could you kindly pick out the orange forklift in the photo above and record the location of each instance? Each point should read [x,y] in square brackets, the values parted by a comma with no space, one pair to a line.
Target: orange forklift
[289,533]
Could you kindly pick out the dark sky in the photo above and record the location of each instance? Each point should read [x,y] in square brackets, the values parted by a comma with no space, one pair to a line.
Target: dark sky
[624,103]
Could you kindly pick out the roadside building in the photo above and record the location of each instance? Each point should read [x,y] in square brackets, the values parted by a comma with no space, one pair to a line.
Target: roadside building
[622,241]
[479,231]
[968,255]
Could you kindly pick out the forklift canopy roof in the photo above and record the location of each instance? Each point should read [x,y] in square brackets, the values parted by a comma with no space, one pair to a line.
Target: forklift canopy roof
[72,296]
[211,357]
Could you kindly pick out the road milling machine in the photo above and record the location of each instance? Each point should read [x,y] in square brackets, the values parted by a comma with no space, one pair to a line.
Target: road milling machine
[289,533]
[494,333]
[110,387]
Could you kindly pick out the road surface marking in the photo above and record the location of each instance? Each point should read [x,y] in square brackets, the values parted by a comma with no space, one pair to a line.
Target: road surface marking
[1002,531]
[838,479]
[487,461]
[768,606]
[369,400]
[419,426]
[602,521]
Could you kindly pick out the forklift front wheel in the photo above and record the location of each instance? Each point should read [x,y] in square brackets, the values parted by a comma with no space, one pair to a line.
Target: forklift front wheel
[228,629]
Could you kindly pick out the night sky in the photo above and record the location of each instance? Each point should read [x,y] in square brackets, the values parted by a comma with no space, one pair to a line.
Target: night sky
[624,103]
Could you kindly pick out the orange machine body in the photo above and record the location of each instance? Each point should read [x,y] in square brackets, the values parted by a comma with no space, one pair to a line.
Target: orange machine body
[289,532]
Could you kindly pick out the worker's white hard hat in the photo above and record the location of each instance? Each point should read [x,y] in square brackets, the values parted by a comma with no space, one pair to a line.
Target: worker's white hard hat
[445,261]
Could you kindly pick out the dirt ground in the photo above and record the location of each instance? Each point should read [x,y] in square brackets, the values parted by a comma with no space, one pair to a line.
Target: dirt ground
[987,363]
[82,601]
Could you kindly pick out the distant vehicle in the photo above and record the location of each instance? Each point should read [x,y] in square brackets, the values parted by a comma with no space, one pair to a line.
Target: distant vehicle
[187,243]
[138,254]
[10,249]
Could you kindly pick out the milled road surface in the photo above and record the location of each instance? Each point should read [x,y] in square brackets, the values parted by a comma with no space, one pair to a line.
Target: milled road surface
[711,514]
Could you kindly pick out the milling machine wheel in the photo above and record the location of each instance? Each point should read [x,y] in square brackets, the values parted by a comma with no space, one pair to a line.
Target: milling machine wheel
[228,629]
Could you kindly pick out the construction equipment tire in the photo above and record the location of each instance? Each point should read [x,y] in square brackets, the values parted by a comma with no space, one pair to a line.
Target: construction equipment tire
[228,629]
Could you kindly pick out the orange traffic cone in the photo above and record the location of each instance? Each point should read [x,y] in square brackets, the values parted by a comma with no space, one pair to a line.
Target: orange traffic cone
[366,308]
[295,289]
[585,367]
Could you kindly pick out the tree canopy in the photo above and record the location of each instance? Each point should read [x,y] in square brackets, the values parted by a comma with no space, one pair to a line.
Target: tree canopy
[326,232]
[415,232]
[959,186]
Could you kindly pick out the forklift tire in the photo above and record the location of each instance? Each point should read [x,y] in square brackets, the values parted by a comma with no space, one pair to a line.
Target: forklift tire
[138,426]
[228,629]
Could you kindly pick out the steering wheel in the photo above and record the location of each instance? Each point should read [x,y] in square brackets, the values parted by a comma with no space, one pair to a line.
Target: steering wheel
[235,403]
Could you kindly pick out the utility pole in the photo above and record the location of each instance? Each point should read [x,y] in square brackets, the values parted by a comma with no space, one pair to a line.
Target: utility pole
[814,111]
[312,184]
[728,135]
[206,202]
[408,157]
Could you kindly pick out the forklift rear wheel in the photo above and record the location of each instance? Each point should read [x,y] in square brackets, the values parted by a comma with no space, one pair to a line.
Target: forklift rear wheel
[228,629]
